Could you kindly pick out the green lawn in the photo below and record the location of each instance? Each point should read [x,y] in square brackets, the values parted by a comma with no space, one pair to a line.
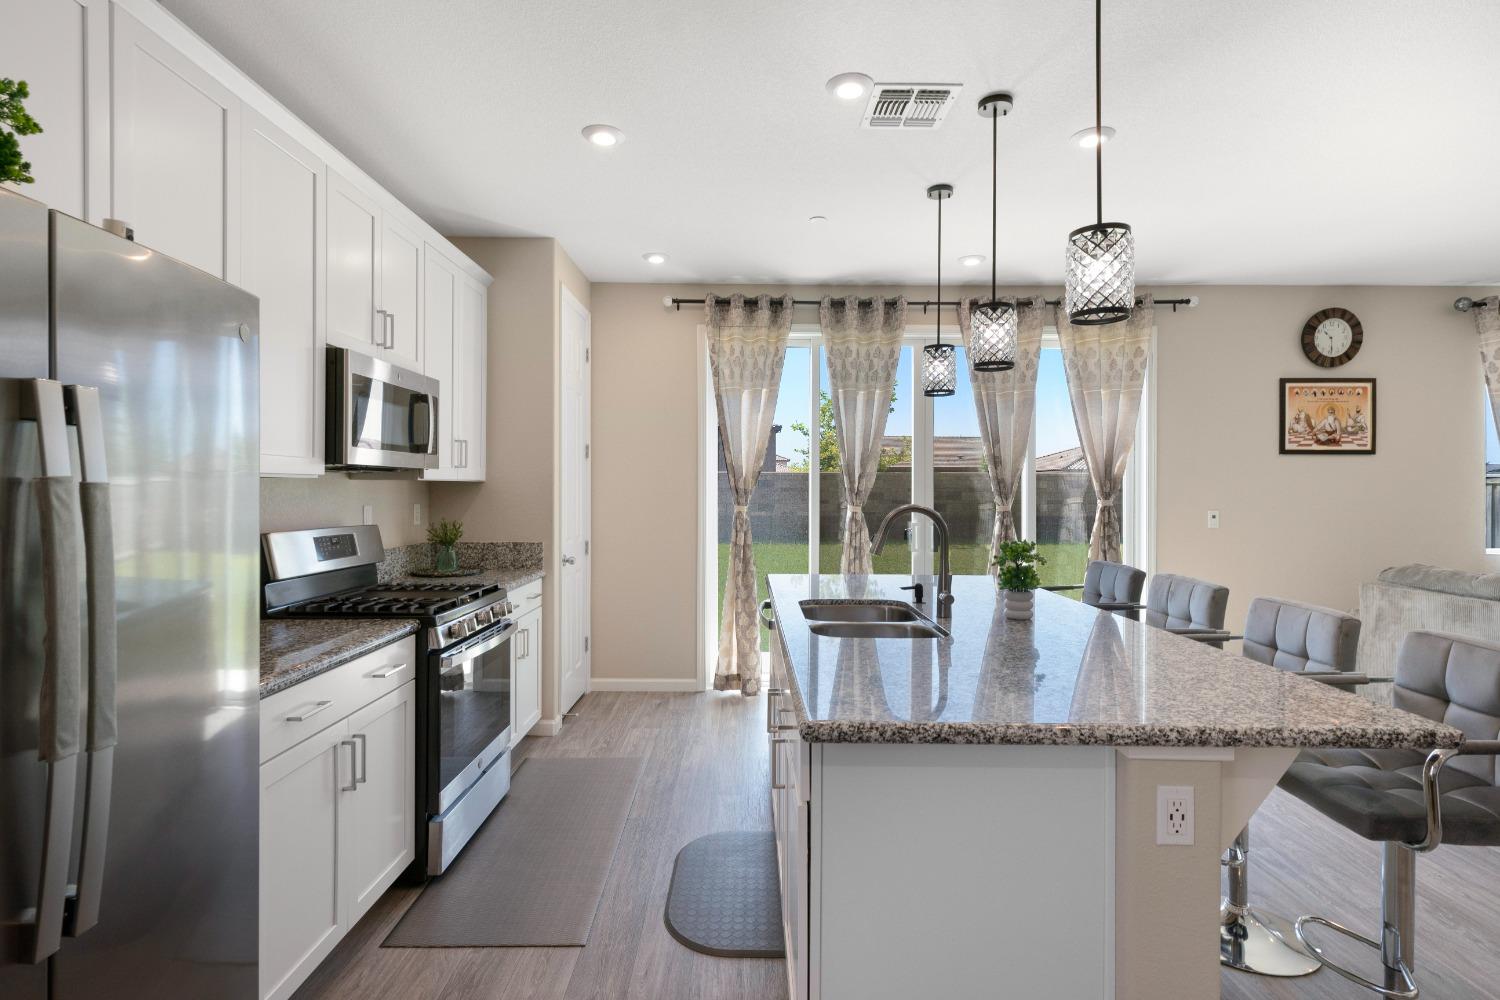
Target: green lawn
[1065,563]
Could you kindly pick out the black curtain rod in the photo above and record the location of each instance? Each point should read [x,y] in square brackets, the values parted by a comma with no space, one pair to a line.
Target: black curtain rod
[677,303]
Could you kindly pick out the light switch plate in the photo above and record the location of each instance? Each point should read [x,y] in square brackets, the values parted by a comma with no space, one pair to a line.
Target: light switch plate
[369,513]
[416,514]
[1213,519]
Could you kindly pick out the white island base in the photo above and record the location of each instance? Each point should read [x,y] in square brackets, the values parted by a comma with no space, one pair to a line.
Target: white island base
[959,871]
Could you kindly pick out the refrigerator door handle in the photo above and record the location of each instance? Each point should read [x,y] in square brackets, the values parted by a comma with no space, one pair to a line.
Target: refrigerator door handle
[58,711]
[102,664]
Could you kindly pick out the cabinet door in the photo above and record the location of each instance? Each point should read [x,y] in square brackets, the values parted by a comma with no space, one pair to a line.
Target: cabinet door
[380,815]
[353,268]
[442,361]
[52,45]
[401,293]
[176,163]
[527,676]
[281,261]
[302,915]
[473,353]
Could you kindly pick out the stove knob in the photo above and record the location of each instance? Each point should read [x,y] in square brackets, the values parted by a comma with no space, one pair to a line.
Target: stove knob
[457,631]
[483,616]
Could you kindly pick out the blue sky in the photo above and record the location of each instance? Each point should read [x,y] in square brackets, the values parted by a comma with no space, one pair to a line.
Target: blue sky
[953,415]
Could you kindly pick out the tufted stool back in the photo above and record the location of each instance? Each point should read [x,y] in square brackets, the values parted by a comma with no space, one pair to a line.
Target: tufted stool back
[1300,637]
[1181,602]
[1453,679]
[1106,583]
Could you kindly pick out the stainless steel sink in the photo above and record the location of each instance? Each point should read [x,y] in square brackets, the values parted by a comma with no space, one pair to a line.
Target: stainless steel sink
[824,611]
[876,630]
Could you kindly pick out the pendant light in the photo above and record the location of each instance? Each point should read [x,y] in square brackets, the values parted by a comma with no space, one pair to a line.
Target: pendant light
[939,366]
[1100,279]
[992,326]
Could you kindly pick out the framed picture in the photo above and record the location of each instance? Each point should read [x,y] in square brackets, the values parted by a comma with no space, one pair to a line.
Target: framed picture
[1328,416]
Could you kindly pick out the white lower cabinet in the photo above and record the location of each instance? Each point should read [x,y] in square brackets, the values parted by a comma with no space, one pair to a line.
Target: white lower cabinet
[336,809]
[526,659]
[791,817]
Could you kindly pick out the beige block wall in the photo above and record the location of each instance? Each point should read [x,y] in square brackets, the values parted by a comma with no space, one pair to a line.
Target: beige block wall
[338,499]
[1308,528]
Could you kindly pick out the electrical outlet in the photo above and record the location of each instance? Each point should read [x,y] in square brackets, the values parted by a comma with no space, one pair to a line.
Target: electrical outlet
[416,514]
[1213,519]
[369,512]
[1174,814]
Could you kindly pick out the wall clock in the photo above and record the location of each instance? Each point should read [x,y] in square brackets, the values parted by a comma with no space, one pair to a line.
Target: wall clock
[1332,337]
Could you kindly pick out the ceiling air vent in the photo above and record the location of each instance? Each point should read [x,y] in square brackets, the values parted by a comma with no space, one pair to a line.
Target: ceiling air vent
[909,105]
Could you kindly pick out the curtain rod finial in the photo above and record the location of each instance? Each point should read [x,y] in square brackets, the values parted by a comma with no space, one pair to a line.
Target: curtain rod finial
[667,303]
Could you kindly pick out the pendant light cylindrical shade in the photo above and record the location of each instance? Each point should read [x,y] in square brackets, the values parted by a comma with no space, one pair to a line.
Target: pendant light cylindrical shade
[992,326]
[939,362]
[1100,278]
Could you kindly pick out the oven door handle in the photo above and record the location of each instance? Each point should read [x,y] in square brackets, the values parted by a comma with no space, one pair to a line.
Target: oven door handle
[480,646]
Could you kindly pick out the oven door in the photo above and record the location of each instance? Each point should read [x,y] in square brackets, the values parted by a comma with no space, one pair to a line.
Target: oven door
[473,703]
[379,416]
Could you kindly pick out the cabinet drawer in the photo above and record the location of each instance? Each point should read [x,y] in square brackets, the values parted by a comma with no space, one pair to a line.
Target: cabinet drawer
[527,598]
[291,716]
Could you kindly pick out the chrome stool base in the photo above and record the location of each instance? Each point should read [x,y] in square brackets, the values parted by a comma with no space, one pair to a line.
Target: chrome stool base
[1399,983]
[1262,943]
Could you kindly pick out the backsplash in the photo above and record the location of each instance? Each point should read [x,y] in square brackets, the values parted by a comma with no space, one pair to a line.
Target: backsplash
[335,499]
[403,560]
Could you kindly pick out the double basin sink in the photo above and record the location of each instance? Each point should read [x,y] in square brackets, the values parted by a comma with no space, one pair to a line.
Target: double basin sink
[869,620]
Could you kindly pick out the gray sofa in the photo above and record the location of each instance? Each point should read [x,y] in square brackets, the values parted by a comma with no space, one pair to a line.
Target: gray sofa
[1408,598]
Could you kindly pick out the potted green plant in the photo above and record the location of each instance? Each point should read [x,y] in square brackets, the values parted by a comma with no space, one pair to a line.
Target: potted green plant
[14,121]
[1018,577]
[444,535]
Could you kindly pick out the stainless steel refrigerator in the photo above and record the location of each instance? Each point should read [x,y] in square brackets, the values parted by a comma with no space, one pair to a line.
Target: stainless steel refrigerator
[129,634]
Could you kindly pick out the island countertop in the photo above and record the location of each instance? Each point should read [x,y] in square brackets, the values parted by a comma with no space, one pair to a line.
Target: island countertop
[1072,675]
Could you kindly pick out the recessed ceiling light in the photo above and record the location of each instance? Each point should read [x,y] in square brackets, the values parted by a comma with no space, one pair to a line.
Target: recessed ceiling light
[603,135]
[972,259]
[850,86]
[817,218]
[654,257]
[1085,136]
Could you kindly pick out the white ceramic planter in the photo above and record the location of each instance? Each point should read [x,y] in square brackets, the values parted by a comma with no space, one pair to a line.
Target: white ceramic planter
[1019,604]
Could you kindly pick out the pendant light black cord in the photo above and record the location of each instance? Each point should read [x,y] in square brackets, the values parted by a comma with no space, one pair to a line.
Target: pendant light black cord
[994,197]
[1098,111]
[940,270]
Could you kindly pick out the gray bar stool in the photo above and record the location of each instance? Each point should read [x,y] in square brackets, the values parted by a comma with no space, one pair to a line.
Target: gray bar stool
[1110,586]
[1301,638]
[1410,800]
[1187,606]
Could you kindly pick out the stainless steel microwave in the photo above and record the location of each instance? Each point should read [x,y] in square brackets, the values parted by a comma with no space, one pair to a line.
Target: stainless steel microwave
[380,416]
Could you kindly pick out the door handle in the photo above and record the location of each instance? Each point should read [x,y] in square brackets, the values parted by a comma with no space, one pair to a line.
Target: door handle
[772,694]
[568,560]
[380,319]
[353,781]
[776,742]
[103,652]
[390,325]
[364,759]
[56,497]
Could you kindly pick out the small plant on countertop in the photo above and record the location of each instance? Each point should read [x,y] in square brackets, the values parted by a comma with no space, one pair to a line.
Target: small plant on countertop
[445,532]
[15,121]
[1018,561]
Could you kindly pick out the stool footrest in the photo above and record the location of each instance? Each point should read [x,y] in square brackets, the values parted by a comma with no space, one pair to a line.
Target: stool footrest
[1408,991]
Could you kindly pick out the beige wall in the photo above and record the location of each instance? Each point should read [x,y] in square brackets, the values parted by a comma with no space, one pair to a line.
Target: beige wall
[338,499]
[517,500]
[1308,528]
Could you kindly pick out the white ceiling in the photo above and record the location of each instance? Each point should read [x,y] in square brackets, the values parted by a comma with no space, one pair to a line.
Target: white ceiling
[1284,141]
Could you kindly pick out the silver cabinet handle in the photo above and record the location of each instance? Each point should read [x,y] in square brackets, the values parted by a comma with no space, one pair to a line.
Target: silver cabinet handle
[457,463]
[102,662]
[772,694]
[776,742]
[390,326]
[568,560]
[765,619]
[466,453]
[353,781]
[385,672]
[378,339]
[364,759]
[56,498]
[303,717]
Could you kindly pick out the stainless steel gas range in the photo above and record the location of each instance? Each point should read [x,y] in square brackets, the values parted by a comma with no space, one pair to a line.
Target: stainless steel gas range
[464,704]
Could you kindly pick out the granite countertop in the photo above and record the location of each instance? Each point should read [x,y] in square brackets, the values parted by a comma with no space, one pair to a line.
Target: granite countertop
[1072,675]
[294,649]
[510,578]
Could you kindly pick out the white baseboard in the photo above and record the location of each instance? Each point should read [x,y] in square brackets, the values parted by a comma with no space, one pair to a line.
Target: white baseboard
[546,727]
[645,684]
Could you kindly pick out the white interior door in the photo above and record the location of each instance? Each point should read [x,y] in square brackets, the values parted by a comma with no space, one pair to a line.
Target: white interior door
[573,534]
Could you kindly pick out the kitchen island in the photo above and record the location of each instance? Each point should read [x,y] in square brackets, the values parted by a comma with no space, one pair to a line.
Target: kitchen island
[976,814]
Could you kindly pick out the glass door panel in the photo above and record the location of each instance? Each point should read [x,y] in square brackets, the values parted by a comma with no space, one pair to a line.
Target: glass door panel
[960,477]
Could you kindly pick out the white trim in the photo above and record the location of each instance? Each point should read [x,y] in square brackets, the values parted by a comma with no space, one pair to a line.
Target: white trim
[689,684]
[546,727]
[1176,753]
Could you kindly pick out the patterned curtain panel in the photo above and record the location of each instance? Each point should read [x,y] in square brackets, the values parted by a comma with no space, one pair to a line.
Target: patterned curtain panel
[1106,369]
[746,348]
[863,341]
[1487,322]
[1006,403]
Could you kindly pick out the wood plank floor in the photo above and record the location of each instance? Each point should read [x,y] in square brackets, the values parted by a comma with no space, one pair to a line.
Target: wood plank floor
[705,770]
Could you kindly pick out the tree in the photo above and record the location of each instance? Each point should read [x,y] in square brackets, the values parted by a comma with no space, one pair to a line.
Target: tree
[13,113]
[828,441]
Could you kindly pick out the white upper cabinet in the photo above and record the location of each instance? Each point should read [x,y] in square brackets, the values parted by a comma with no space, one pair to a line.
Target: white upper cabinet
[176,151]
[440,292]
[353,268]
[281,262]
[401,293]
[50,44]
[472,347]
